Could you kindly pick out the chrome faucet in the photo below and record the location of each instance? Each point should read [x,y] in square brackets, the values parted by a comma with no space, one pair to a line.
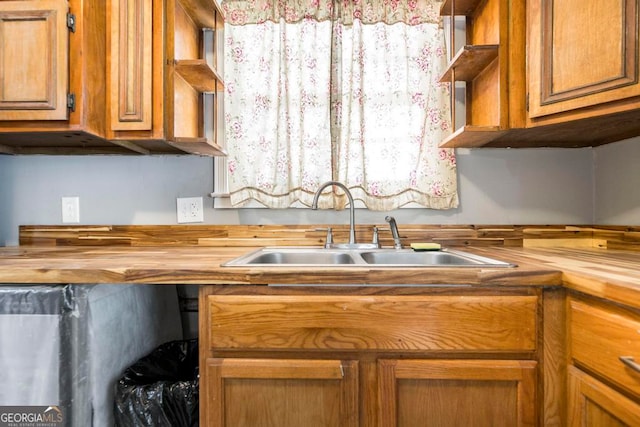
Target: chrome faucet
[352,212]
[352,222]
[394,231]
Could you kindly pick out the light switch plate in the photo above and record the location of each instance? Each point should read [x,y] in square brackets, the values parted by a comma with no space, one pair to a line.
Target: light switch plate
[70,210]
[189,209]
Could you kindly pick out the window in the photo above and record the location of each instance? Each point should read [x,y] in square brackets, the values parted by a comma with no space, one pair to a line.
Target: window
[347,91]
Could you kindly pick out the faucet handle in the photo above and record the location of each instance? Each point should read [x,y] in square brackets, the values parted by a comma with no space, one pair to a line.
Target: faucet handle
[376,239]
[397,243]
[329,240]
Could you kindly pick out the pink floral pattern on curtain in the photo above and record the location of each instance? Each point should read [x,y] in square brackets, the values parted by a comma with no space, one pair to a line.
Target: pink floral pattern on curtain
[411,12]
[311,97]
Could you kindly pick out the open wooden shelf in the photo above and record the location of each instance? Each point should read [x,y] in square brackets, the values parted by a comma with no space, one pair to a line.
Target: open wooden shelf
[193,129]
[491,66]
[200,146]
[461,7]
[201,11]
[199,75]
[470,61]
[472,136]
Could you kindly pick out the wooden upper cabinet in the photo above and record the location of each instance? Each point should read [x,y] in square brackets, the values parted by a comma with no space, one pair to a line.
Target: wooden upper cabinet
[160,80]
[34,65]
[566,73]
[581,54]
[114,77]
[131,72]
[491,63]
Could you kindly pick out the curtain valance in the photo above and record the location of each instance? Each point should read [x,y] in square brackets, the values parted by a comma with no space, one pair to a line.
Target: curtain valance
[410,12]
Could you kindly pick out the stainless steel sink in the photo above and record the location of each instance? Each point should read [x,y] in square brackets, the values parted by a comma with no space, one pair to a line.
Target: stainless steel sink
[445,258]
[300,257]
[313,256]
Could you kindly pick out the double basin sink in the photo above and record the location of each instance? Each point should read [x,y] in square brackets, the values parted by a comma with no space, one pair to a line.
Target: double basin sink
[313,256]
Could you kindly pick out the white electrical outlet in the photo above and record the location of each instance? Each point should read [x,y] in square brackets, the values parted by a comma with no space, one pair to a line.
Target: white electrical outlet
[70,210]
[190,209]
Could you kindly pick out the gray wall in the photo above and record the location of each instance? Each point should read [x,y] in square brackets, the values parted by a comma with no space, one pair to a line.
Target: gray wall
[617,183]
[112,189]
[497,186]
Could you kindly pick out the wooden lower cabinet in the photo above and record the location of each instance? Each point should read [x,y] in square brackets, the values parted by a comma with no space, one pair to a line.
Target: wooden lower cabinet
[457,393]
[602,389]
[282,392]
[324,393]
[592,403]
[280,357]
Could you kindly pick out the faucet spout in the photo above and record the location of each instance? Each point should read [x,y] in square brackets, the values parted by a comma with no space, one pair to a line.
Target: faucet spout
[352,214]
[394,231]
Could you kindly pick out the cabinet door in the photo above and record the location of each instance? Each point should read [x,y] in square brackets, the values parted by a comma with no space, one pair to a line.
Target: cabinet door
[34,65]
[581,54]
[131,59]
[600,334]
[281,392]
[592,403]
[457,393]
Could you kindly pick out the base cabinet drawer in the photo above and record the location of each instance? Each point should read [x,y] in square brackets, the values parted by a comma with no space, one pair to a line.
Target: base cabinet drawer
[380,322]
[600,335]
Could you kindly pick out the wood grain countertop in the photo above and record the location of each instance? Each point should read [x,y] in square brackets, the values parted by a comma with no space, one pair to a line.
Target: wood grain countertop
[611,274]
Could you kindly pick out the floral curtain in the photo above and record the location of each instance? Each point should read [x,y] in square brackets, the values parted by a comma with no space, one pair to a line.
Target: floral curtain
[348,90]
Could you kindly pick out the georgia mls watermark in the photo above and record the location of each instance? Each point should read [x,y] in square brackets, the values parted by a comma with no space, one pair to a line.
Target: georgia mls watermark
[31,416]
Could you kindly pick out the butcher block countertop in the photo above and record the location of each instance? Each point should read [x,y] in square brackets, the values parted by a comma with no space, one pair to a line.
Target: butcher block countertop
[611,274]
[603,261]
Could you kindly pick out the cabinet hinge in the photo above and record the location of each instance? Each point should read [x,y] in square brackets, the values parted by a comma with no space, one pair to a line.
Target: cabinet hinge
[527,101]
[71,22]
[71,102]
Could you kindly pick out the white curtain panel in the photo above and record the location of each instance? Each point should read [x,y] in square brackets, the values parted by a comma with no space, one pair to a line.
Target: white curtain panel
[346,91]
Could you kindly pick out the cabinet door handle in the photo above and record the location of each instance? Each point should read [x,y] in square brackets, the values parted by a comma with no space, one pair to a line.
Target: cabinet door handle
[628,361]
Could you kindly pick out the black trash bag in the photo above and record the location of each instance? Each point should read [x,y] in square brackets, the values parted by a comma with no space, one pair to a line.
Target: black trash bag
[161,389]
